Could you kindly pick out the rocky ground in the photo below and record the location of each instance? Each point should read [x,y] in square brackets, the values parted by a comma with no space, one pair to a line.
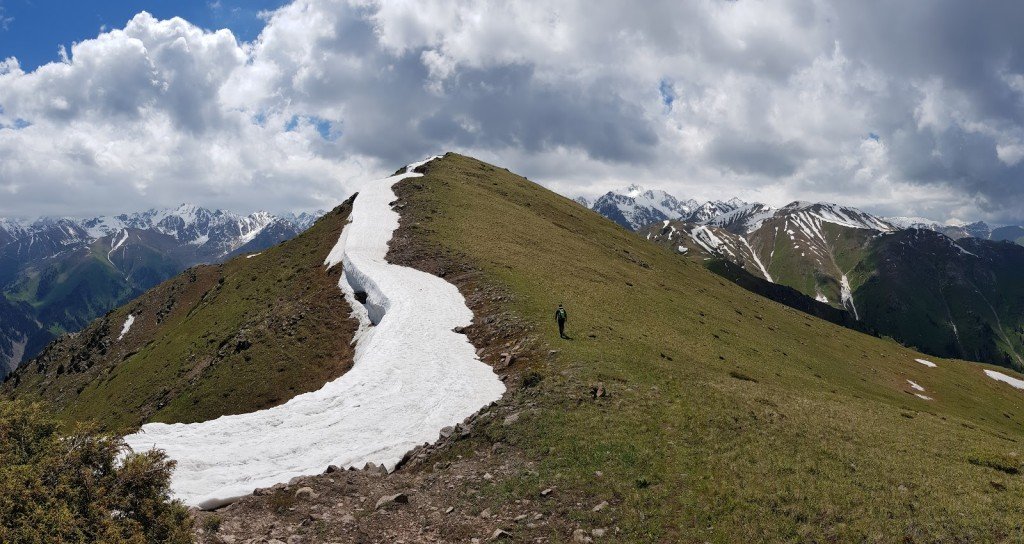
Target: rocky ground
[449,491]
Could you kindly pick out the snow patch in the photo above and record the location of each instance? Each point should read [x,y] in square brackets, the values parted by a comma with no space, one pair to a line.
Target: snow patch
[757,260]
[118,241]
[127,326]
[707,240]
[999,376]
[915,386]
[412,376]
[846,295]
[924,397]
[253,255]
[927,363]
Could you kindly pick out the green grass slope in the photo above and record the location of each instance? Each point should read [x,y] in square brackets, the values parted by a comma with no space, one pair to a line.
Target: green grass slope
[232,338]
[728,418]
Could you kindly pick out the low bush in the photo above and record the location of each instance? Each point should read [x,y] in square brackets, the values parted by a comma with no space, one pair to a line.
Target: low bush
[81,486]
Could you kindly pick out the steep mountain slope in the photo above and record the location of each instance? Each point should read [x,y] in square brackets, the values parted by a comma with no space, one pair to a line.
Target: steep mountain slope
[812,247]
[729,255]
[704,240]
[962,298]
[917,286]
[21,333]
[231,338]
[69,271]
[683,409]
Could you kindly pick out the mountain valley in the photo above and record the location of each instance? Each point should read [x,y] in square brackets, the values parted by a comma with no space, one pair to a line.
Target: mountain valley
[58,274]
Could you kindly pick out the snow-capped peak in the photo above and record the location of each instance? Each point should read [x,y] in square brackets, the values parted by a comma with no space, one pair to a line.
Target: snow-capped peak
[712,209]
[219,231]
[635,206]
[744,219]
[839,215]
[634,191]
[913,222]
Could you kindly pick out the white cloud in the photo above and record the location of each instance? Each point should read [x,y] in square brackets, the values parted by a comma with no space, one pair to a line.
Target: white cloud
[773,101]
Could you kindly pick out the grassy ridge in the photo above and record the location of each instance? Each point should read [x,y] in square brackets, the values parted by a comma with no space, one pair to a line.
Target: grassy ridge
[233,338]
[729,417]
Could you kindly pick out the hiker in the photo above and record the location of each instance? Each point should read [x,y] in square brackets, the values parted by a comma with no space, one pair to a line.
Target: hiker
[561,316]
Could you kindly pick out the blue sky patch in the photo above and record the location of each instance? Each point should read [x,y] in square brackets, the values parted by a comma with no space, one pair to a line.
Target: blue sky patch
[66,22]
[668,93]
[324,127]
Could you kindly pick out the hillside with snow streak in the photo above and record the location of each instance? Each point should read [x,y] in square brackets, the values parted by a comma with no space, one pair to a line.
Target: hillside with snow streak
[412,376]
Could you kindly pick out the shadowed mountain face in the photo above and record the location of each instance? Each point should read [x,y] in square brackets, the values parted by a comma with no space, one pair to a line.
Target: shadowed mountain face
[58,274]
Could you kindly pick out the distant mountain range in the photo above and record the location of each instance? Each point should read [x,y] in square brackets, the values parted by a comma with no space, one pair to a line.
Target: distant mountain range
[636,207]
[948,290]
[57,274]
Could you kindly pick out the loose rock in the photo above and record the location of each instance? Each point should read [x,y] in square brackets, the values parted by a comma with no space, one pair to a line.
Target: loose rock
[388,500]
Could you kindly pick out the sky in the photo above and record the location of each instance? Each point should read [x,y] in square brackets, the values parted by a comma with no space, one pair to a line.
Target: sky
[913,108]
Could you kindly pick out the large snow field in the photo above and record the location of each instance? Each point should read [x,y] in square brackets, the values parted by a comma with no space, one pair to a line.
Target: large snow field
[412,376]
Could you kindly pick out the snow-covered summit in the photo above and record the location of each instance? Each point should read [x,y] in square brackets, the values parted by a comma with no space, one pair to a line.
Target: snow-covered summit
[913,223]
[636,206]
[744,219]
[845,216]
[714,208]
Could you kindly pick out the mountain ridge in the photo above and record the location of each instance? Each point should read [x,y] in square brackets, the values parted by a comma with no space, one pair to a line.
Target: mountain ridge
[681,408]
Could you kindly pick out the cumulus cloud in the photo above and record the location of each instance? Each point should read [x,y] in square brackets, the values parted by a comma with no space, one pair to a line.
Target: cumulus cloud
[914,108]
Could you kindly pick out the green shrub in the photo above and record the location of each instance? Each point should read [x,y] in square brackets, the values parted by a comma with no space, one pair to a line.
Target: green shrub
[211,524]
[78,487]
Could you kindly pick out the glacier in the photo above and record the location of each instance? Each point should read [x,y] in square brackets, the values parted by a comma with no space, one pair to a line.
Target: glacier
[412,376]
